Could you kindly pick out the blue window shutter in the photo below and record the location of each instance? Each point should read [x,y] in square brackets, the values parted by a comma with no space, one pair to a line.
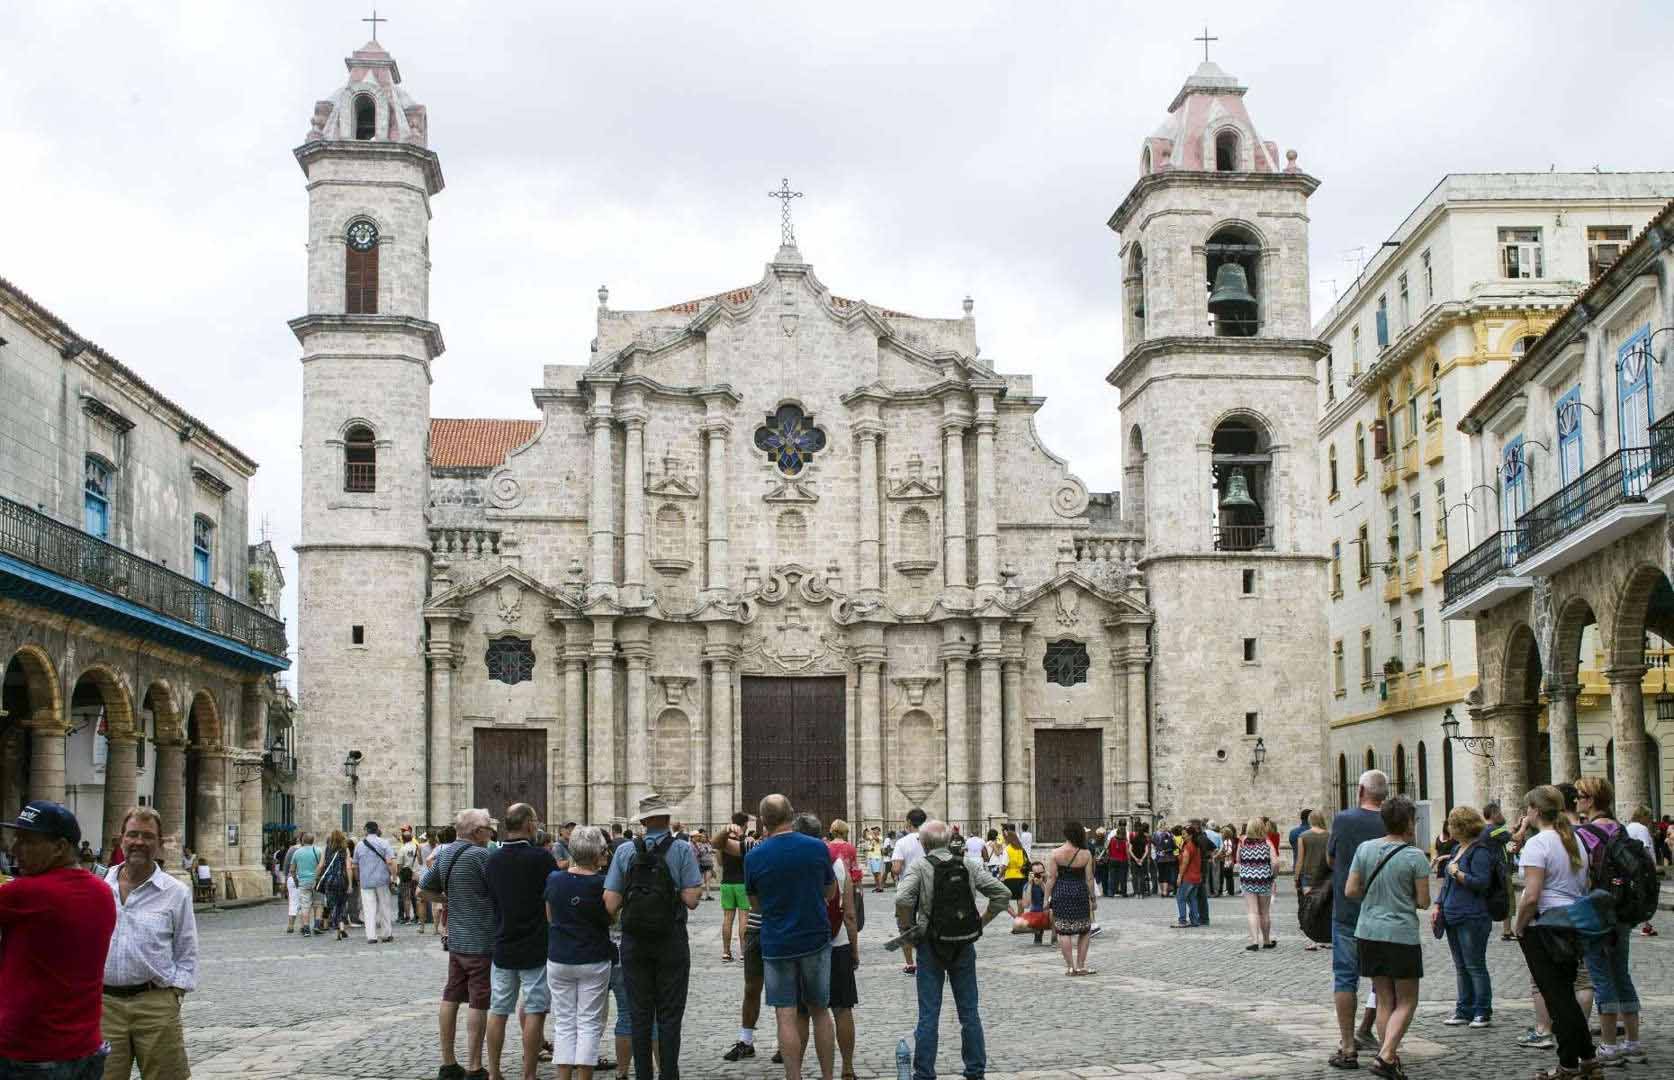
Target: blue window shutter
[1383,329]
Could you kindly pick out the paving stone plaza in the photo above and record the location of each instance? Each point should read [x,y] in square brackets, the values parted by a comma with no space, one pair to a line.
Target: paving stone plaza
[1165,1003]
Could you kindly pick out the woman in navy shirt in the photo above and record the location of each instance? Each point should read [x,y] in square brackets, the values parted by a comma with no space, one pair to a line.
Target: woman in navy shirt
[578,955]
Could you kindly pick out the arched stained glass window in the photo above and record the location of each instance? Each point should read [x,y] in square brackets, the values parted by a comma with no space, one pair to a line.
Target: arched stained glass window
[790,439]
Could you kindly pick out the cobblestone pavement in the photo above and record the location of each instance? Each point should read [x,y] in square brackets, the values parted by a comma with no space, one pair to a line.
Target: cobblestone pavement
[1165,1004]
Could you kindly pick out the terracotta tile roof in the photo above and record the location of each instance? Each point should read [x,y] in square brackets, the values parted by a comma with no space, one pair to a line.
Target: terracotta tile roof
[731,296]
[476,444]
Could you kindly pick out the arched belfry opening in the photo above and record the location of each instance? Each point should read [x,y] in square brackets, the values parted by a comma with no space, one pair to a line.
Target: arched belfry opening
[1233,260]
[1241,465]
[1226,151]
[366,125]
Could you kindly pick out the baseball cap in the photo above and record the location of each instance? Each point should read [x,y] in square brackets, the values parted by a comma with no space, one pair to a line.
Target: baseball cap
[49,818]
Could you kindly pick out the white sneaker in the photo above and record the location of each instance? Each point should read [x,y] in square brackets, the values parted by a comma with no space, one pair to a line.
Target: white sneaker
[1632,1051]
[1456,1020]
[1611,1057]
[1482,1022]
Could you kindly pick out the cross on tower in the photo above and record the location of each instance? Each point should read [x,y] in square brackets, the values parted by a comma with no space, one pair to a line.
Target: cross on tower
[1206,39]
[374,20]
[787,235]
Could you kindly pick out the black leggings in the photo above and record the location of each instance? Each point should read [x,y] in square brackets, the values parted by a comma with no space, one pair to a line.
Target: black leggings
[1552,956]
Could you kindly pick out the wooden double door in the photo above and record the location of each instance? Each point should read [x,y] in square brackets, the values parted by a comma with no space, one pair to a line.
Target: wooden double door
[509,766]
[1069,781]
[794,742]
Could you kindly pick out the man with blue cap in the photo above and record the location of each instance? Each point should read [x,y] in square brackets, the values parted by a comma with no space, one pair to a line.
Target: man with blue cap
[55,926]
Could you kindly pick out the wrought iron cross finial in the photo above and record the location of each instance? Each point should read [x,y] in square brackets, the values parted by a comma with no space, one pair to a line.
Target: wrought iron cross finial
[787,235]
[374,20]
[1206,39]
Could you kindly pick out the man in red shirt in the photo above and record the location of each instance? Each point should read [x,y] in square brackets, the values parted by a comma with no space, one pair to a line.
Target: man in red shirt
[55,926]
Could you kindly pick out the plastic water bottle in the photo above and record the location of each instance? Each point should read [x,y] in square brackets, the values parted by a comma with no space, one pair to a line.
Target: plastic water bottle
[903,1060]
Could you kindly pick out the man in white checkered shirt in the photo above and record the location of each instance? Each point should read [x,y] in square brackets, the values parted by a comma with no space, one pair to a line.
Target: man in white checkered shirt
[153,959]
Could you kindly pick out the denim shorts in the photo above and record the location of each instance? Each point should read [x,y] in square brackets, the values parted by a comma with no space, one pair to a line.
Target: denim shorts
[87,1068]
[1345,959]
[503,984]
[799,980]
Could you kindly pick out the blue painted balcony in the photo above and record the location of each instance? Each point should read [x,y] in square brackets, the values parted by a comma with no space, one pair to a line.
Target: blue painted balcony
[50,564]
[1590,512]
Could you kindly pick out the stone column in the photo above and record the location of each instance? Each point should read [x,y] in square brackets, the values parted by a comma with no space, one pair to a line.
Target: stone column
[169,796]
[871,737]
[715,434]
[1016,778]
[47,734]
[1139,734]
[722,797]
[121,783]
[953,502]
[639,738]
[868,435]
[633,511]
[1116,746]
[573,787]
[601,726]
[1507,724]
[990,741]
[987,496]
[443,658]
[211,800]
[1627,716]
[599,526]
[1562,731]
[252,793]
[955,653]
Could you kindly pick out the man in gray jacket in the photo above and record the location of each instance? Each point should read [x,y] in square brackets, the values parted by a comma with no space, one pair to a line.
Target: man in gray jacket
[937,960]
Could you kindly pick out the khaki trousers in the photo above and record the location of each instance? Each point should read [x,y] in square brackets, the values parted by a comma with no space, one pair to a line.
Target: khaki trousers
[145,1029]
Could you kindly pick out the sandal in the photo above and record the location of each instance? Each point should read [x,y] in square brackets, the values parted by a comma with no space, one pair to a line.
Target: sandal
[1391,1070]
[1557,1072]
[1340,1060]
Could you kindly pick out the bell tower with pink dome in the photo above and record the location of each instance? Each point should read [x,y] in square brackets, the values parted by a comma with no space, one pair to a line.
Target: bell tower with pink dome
[1218,423]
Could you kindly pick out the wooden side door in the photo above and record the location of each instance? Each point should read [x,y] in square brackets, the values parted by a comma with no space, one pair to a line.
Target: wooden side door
[1069,781]
[509,767]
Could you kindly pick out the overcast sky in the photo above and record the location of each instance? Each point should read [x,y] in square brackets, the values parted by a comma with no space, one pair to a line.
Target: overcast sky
[150,197]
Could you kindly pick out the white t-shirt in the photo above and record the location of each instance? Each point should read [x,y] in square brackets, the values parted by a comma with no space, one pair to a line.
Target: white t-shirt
[1639,832]
[908,850]
[1563,885]
[1028,841]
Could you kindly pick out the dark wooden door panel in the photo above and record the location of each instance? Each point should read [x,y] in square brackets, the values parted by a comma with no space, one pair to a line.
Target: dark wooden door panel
[794,743]
[510,767]
[1069,781]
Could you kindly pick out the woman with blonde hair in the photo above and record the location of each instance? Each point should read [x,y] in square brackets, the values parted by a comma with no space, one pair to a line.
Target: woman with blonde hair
[1554,877]
[1311,867]
[1256,857]
[1462,913]
[1639,827]
[1607,956]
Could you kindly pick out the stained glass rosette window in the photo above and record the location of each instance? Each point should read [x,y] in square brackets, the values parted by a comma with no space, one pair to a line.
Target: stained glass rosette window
[790,439]
[510,660]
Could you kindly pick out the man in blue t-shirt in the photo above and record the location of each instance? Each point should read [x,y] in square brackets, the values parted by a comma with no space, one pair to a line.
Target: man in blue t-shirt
[788,879]
[1350,829]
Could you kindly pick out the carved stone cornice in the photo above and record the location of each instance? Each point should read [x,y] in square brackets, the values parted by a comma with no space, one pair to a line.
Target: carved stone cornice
[914,686]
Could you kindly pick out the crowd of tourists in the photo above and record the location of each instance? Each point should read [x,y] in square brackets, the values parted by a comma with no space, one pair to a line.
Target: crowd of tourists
[558,928]
[1588,883]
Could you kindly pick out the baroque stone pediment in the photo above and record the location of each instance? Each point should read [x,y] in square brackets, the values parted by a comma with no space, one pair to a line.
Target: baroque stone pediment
[794,622]
[509,584]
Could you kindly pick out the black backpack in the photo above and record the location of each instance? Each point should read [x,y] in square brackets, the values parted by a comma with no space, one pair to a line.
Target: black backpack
[1498,897]
[953,913]
[650,905]
[1620,865]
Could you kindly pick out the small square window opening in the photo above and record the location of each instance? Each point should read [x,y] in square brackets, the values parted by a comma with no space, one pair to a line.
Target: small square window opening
[357,634]
[1249,649]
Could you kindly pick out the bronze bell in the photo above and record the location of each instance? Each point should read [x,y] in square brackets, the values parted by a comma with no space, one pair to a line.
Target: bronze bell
[1237,495]
[1231,300]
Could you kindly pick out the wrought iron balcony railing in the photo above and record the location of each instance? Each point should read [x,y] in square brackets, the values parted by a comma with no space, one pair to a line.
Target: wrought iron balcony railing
[1243,537]
[1620,478]
[35,538]
[1481,564]
[1662,447]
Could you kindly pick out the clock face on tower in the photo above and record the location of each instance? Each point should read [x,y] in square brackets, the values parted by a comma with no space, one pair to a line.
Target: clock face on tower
[362,235]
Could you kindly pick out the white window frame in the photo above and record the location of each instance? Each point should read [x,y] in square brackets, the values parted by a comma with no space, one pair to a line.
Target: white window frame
[1521,252]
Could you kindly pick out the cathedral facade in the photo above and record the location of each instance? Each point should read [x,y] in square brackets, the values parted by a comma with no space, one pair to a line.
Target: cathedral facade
[771,539]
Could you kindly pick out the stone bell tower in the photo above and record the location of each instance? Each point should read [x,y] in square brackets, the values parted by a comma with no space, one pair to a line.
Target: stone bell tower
[367,347]
[1217,408]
